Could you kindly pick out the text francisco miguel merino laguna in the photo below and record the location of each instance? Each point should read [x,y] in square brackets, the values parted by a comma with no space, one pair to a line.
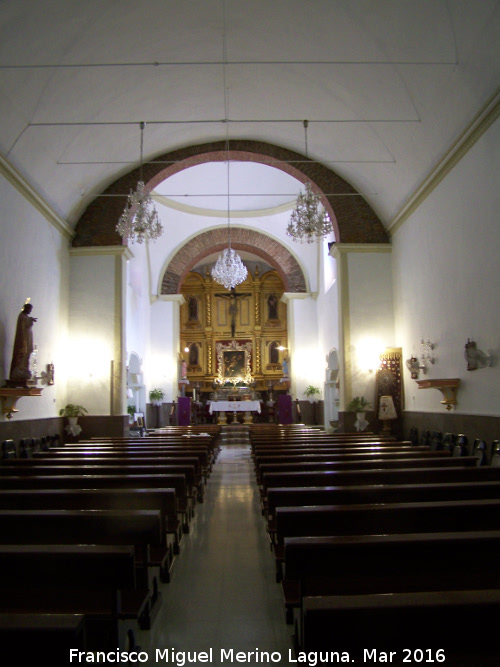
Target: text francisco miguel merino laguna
[182,658]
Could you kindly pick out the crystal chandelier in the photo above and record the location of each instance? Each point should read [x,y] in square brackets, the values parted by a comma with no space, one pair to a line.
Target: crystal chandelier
[309,221]
[139,221]
[229,270]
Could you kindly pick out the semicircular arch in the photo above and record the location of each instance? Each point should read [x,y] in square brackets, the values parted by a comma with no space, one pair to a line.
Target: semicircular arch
[268,249]
[353,220]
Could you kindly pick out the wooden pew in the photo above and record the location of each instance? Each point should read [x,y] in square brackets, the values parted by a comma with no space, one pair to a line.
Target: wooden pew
[199,454]
[352,461]
[317,441]
[96,581]
[202,453]
[118,466]
[417,517]
[186,441]
[49,479]
[401,475]
[343,448]
[367,494]
[162,500]
[403,563]
[31,636]
[140,529]
[317,474]
[190,466]
[453,628]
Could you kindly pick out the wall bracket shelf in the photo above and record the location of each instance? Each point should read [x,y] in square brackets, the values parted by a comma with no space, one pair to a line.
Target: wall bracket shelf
[448,389]
[10,395]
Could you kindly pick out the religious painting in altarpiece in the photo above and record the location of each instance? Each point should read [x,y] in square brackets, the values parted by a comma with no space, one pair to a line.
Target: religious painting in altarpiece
[252,312]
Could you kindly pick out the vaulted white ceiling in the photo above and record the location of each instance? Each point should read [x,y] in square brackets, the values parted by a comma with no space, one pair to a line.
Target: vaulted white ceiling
[387,86]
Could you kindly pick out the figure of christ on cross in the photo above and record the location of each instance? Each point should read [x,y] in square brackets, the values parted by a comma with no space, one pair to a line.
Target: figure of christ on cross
[233,297]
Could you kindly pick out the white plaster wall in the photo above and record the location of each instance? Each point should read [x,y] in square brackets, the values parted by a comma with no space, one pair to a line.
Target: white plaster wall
[138,321]
[371,317]
[307,365]
[328,326]
[91,346]
[327,302]
[34,263]
[446,280]
[161,368]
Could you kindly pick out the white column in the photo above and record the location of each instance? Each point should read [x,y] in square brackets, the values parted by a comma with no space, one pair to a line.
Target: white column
[306,359]
[162,366]
[95,359]
[366,315]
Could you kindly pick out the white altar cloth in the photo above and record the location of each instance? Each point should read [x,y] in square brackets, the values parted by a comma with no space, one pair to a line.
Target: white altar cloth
[234,406]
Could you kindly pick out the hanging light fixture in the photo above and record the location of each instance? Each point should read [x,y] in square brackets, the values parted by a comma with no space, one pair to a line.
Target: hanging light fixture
[139,221]
[309,221]
[229,270]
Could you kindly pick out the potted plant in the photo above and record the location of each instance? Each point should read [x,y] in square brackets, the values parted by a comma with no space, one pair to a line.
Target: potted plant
[156,396]
[311,392]
[131,413]
[359,405]
[72,412]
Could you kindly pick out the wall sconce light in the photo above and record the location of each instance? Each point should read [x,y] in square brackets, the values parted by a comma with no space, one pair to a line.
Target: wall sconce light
[475,357]
[413,366]
[47,376]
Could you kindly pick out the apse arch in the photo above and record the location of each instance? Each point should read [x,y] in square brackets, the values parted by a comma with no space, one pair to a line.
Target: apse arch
[353,220]
[270,250]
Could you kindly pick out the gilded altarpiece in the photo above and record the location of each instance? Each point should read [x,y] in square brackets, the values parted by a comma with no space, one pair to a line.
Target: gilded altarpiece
[251,317]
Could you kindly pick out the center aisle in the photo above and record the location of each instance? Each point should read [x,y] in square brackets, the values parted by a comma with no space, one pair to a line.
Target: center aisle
[223,593]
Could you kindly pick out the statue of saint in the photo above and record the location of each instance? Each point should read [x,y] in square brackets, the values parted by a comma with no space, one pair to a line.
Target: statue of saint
[183,370]
[23,346]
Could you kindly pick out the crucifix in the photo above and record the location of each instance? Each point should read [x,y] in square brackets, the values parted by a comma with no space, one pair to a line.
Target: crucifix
[233,297]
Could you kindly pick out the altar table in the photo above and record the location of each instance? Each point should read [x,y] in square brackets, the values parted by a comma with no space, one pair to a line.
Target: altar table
[235,406]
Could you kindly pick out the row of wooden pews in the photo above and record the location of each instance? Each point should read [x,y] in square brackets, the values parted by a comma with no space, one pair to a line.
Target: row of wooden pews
[89,531]
[382,546]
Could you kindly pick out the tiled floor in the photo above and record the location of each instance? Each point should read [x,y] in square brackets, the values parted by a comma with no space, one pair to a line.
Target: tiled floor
[223,593]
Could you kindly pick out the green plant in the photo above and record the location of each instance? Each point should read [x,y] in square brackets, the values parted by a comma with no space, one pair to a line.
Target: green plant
[311,391]
[131,410]
[156,395]
[358,404]
[72,410]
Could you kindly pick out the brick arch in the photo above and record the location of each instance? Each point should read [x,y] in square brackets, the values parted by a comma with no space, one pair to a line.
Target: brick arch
[271,251]
[353,220]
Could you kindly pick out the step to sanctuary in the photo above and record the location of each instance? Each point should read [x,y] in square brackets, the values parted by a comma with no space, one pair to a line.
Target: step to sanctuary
[235,434]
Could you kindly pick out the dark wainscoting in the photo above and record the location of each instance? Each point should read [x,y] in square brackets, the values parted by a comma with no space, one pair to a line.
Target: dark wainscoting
[311,414]
[473,426]
[105,425]
[39,428]
[31,428]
